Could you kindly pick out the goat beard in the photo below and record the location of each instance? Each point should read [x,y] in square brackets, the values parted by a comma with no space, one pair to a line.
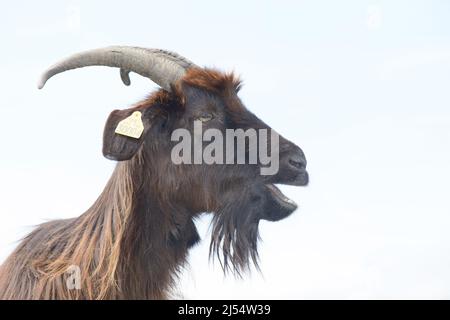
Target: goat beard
[235,236]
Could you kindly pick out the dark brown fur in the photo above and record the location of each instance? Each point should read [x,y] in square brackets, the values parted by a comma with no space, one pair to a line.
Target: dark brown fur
[133,242]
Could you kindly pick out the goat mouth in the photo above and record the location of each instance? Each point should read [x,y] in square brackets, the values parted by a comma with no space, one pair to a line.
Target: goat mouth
[282,200]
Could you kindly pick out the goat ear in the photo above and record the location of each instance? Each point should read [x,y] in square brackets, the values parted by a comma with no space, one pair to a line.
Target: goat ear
[120,146]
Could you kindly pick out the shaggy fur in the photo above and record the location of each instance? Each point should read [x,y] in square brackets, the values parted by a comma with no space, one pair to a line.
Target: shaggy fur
[133,241]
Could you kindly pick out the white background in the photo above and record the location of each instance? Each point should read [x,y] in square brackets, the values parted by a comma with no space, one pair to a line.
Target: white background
[362,86]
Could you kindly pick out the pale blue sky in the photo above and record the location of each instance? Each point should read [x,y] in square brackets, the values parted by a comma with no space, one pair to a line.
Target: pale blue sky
[361,86]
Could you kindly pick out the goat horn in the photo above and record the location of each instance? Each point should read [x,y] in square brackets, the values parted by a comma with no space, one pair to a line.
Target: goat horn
[161,66]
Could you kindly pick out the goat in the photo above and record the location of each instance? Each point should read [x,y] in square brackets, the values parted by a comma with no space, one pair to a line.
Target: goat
[134,240]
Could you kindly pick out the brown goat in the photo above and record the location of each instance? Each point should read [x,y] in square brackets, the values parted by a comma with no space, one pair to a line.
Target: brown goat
[133,241]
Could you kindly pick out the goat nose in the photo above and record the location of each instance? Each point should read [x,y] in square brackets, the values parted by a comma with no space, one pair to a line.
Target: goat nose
[298,160]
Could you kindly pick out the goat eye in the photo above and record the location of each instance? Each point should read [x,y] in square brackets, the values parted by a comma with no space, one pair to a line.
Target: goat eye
[205,117]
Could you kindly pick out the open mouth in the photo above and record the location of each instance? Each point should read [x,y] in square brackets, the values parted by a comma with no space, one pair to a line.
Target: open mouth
[281,198]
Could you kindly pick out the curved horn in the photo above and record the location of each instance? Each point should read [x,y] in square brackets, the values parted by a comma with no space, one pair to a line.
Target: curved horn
[161,66]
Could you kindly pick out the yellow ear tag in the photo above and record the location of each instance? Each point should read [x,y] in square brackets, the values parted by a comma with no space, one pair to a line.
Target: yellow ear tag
[131,126]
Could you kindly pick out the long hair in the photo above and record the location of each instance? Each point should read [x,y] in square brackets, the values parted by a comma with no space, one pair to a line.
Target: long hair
[91,242]
[133,242]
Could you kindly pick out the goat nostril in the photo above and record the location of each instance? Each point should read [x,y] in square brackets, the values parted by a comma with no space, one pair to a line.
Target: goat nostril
[297,164]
